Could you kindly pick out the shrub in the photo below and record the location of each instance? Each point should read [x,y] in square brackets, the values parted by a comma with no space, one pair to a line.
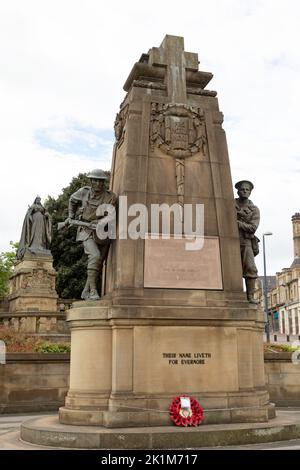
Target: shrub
[275,347]
[18,342]
[24,343]
[53,348]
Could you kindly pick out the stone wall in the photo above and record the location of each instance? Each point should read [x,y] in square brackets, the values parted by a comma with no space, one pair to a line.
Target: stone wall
[4,304]
[37,322]
[39,382]
[33,382]
[282,379]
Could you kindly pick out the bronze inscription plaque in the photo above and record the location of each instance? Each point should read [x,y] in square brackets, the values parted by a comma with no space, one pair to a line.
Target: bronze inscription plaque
[169,265]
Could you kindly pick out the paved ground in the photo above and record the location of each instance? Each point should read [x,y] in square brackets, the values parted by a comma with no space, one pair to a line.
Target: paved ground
[13,422]
[10,436]
[283,445]
[9,432]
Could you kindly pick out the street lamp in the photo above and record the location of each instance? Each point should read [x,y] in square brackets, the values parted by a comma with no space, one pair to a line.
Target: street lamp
[266,288]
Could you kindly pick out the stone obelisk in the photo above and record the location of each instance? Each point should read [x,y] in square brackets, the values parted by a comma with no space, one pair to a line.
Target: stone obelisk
[172,321]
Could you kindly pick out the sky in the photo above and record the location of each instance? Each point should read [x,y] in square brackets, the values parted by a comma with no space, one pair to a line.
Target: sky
[63,64]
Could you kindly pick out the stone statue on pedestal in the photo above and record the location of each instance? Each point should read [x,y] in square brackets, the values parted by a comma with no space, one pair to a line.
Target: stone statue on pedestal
[32,297]
[36,231]
[248,218]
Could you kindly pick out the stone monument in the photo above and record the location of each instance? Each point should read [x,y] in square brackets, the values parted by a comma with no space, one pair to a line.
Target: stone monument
[32,297]
[172,321]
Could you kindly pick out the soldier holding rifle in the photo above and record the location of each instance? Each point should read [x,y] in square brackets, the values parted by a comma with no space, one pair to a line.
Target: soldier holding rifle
[90,203]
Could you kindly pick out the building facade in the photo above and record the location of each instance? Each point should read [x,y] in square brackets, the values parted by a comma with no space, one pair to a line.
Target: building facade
[284,291]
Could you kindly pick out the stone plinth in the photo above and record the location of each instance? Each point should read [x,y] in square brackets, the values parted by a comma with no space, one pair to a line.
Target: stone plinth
[125,371]
[47,431]
[33,298]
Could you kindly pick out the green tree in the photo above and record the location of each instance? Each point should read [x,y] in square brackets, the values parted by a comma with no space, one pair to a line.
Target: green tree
[69,259]
[7,260]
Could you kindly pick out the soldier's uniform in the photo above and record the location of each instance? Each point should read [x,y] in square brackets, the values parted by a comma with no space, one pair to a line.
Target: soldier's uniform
[248,220]
[248,217]
[87,205]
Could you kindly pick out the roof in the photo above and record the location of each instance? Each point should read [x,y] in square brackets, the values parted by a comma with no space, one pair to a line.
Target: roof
[296,263]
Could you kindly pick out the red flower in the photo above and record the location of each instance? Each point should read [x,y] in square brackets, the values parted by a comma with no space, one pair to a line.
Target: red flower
[195,416]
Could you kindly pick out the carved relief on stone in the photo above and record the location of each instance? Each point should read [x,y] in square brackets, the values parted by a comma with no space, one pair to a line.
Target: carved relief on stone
[148,84]
[177,129]
[26,281]
[200,91]
[119,124]
[38,278]
[43,279]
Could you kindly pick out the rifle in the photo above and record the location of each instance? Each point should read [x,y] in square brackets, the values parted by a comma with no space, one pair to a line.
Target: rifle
[77,223]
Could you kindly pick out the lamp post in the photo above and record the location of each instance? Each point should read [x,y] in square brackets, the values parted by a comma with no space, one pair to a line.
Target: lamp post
[266,288]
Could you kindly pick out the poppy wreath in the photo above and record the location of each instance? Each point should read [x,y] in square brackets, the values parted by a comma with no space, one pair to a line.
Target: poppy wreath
[196,413]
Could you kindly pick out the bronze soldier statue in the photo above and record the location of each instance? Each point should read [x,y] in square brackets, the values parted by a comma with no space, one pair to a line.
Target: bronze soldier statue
[248,220]
[87,201]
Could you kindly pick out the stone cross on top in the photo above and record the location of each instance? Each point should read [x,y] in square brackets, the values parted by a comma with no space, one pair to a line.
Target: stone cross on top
[171,54]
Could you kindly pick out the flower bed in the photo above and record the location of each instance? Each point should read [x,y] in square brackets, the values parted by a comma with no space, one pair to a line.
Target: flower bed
[17,342]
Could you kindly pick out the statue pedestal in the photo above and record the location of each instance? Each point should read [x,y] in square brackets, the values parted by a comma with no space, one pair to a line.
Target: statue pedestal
[125,371]
[33,298]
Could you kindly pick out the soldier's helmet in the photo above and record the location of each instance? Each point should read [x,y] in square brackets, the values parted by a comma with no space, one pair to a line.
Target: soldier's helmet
[97,175]
[239,184]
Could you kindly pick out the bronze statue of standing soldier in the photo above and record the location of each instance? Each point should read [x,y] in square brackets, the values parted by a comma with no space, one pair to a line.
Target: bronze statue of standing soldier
[248,218]
[85,204]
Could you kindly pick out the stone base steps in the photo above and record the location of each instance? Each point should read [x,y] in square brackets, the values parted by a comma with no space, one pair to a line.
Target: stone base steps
[47,431]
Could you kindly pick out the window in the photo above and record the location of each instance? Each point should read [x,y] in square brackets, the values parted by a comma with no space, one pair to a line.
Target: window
[296,323]
[283,322]
[290,323]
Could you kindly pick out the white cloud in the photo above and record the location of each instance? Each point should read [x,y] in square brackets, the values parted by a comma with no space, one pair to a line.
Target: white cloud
[67,60]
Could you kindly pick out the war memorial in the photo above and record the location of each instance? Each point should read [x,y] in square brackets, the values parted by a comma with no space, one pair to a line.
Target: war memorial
[172,318]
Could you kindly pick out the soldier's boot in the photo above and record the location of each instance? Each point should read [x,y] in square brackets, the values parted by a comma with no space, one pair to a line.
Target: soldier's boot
[250,288]
[85,294]
[92,279]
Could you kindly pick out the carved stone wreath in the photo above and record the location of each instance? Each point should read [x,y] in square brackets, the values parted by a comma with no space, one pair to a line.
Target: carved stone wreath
[178,129]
